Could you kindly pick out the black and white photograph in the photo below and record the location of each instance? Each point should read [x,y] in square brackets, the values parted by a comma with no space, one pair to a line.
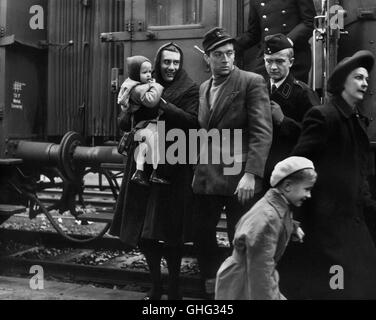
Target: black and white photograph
[187,155]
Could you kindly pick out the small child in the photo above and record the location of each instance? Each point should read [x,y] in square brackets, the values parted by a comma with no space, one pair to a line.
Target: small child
[139,91]
[263,233]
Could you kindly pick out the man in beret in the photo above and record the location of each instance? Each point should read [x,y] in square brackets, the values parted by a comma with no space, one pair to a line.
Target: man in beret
[339,260]
[293,18]
[232,100]
[290,99]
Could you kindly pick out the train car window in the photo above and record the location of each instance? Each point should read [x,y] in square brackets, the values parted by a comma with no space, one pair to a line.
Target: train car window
[173,12]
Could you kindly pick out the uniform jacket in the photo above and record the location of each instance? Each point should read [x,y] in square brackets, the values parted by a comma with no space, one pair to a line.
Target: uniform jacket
[243,104]
[294,18]
[261,237]
[335,139]
[295,99]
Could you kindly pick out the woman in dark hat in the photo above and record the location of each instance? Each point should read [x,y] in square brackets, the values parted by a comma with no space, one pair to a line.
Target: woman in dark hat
[339,256]
[159,219]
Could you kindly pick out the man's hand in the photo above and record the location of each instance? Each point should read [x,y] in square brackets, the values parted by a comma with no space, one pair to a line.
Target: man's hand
[277,114]
[163,104]
[121,96]
[246,188]
[298,235]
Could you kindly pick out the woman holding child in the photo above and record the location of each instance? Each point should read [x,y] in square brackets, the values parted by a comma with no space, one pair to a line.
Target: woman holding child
[158,218]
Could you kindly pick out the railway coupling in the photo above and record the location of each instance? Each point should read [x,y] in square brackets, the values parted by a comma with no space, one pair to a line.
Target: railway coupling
[33,167]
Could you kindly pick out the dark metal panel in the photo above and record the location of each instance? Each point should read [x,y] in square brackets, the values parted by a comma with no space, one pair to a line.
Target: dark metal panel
[68,38]
[18,17]
[109,16]
[79,94]
[22,72]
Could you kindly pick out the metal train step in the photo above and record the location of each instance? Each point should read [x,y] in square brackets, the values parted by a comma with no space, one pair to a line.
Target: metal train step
[95,192]
[107,217]
[103,201]
[9,210]
[93,201]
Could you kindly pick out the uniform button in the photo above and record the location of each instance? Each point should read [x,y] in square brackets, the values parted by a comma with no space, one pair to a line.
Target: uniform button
[264,16]
[262,4]
[283,11]
[266,29]
[284,25]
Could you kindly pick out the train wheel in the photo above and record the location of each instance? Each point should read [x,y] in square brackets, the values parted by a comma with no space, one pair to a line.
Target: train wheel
[80,211]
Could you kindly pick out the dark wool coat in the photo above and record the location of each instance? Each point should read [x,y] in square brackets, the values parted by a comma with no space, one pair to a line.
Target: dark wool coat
[243,104]
[295,99]
[334,138]
[162,212]
[294,18]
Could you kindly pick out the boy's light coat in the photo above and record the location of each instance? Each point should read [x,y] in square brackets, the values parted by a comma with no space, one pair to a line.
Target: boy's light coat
[260,240]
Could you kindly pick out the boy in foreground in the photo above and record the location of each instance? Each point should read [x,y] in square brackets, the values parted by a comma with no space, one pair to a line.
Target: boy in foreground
[263,233]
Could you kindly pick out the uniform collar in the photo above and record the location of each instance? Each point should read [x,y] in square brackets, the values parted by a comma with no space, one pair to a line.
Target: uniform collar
[285,86]
[279,83]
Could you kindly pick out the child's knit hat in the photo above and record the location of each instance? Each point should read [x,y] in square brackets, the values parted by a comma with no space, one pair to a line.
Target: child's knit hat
[289,166]
[134,66]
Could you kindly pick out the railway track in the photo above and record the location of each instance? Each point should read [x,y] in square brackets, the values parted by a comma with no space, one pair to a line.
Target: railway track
[105,261]
[103,202]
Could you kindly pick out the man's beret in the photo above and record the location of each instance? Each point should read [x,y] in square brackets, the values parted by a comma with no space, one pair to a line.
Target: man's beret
[287,167]
[276,42]
[215,38]
[362,58]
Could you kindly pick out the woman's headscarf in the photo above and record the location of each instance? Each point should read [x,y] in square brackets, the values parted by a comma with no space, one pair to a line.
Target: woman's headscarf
[173,47]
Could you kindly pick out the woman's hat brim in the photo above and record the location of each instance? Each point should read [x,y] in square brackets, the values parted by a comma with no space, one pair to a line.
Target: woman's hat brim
[363,58]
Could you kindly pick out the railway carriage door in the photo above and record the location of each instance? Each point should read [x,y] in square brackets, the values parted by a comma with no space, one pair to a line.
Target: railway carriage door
[152,23]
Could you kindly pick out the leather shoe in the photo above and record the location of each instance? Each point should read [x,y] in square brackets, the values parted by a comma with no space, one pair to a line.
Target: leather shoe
[152,296]
[155,179]
[140,178]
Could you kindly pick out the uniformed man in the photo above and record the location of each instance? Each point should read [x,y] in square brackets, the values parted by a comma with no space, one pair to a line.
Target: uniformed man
[294,18]
[290,99]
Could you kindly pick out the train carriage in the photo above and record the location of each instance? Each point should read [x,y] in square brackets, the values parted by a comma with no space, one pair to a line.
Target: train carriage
[62,63]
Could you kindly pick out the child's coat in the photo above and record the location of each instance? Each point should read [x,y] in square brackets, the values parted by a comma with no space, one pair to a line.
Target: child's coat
[261,238]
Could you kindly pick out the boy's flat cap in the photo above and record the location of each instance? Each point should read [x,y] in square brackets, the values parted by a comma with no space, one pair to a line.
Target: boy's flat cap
[289,166]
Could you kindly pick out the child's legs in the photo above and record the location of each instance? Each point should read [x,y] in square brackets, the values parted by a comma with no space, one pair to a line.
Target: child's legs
[152,139]
[141,151]
[140,156]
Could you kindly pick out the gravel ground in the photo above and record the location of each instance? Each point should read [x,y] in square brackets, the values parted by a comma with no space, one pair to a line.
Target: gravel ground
[133,260]
[66,222]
